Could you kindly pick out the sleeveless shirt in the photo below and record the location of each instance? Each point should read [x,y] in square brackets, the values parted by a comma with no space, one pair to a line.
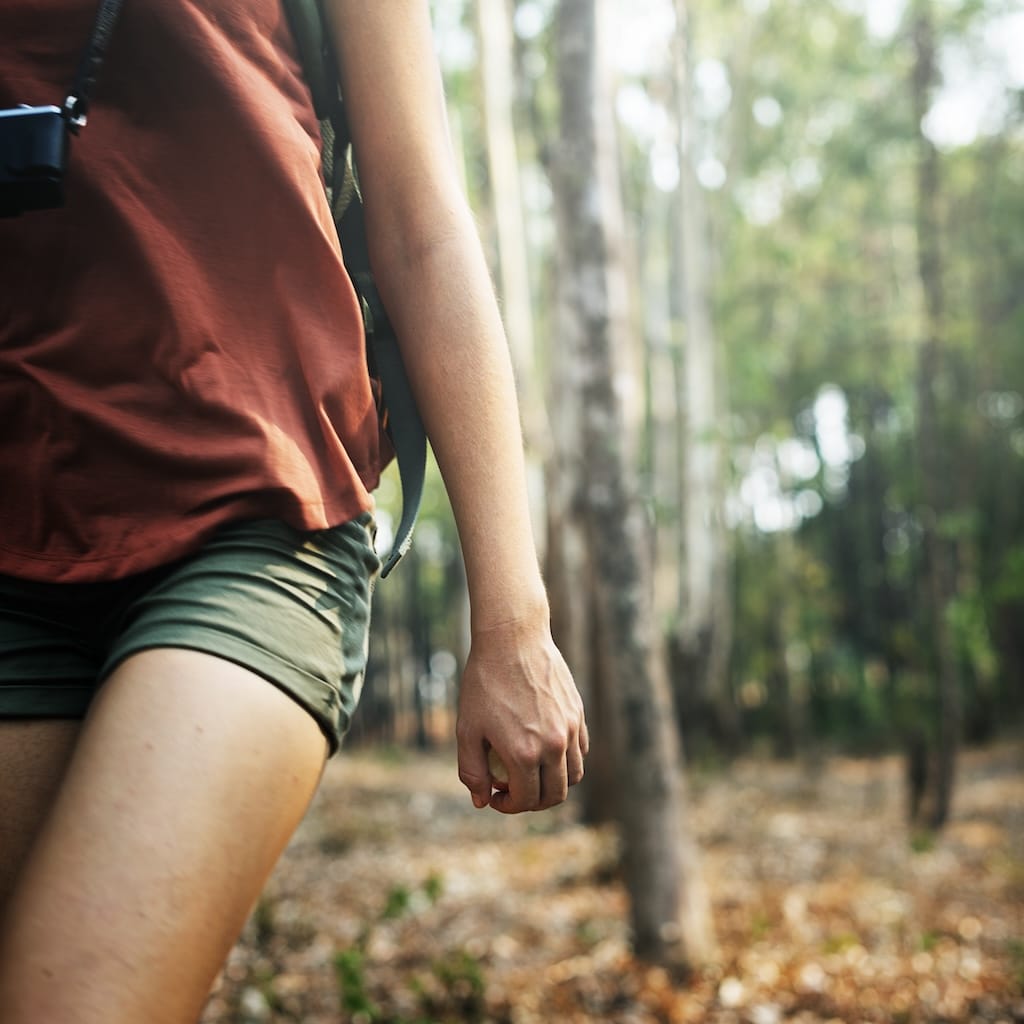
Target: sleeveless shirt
[180,346]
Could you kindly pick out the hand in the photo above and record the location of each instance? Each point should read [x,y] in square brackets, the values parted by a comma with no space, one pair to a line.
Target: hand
[518,701]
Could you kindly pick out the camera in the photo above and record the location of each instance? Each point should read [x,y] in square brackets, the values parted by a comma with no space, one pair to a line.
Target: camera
[33,155]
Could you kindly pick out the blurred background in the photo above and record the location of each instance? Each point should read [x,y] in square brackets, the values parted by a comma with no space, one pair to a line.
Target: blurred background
[815,268]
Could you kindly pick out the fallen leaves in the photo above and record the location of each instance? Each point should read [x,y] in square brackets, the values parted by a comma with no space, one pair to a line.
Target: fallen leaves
[397,903]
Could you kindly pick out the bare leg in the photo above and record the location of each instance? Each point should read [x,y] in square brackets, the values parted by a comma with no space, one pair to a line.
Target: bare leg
[189,777]
[33,756]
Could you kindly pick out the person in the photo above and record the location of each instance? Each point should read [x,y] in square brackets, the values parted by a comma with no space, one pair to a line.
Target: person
[189,445]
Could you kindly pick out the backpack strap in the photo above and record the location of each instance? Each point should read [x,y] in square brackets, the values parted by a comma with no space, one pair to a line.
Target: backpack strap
[400,416]
[76,106]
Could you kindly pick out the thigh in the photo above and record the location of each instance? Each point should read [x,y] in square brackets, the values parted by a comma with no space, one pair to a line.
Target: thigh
[189,777]
[290,606]
[33,756]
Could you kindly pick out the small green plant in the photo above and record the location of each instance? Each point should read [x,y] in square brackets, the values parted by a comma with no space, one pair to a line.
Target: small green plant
[433,887]
[588,934]
[263,922]
[462,977]
[840,943]
[349,968]
[397,903]
[456,979]
[264,980]
[922,841]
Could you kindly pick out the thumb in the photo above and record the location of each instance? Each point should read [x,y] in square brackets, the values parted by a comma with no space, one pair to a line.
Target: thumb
[474,773]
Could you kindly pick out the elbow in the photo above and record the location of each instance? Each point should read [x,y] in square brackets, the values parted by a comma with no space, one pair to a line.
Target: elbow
[408,235]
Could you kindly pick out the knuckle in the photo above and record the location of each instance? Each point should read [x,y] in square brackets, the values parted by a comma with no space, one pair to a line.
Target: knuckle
[529,750]
[552,745]
[557,740]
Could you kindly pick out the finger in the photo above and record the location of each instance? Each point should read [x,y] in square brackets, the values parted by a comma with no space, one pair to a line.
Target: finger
[554,782]
[584,738]
[523,792]
[473,771]
[574,762]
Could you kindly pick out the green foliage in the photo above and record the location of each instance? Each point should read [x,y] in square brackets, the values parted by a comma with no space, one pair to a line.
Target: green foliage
[455,984]
[433,887]
[821,285]
[1008,587]
[461,977]
[263,921]
[399,898]
[349,969]
[840,943]
[922,842]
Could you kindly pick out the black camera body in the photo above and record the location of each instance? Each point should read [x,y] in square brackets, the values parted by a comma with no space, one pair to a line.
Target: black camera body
[33,157]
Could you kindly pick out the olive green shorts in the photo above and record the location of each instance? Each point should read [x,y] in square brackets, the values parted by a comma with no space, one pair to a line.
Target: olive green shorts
[292,607]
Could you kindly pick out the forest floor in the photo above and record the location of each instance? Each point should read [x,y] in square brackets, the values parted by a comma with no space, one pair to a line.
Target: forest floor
[397,903]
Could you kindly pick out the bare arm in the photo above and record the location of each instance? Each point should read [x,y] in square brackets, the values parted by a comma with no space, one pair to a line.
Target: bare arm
[517,694]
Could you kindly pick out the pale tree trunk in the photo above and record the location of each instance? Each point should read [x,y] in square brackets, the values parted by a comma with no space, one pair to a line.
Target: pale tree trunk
[627,350]
[494,33]
[662,465]
[704,629]
[670,908]
[497,76]
[938,571]
[567,569]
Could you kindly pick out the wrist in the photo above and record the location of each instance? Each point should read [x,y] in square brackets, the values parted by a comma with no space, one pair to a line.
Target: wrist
[510,609]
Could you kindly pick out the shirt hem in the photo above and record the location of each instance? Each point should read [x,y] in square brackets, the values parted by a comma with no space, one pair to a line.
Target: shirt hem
[93,568]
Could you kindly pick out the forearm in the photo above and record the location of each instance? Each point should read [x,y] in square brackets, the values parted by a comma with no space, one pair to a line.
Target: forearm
[434,282]
[517,696]
[441,300]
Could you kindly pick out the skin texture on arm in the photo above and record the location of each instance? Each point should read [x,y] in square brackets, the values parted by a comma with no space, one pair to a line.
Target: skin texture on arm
[517,695]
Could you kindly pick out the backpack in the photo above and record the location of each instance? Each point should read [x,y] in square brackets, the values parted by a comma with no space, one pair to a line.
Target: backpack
[396,406]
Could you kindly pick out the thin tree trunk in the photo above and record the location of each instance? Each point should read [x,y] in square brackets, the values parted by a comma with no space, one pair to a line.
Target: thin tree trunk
[670,912]
[497,76]
[704,632]
[938,584]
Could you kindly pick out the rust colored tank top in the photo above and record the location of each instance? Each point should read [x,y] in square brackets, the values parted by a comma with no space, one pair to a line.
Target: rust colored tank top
[179,346]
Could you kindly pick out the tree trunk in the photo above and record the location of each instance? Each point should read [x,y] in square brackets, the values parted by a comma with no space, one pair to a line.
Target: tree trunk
[497,77]
[704,631]
[670,912]
[938,582]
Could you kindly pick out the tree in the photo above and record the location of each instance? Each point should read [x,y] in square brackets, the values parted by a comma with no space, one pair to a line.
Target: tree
[670,912]
[705,618]
[494,32]
[937,570]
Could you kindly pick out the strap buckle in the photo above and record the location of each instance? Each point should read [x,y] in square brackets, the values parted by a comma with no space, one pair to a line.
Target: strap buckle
[75,114]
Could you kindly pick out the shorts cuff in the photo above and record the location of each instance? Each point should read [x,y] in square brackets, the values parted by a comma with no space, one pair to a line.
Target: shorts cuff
[313,694]
[45,700]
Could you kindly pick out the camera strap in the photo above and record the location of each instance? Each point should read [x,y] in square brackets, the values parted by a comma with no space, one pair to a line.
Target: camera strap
[76,106]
